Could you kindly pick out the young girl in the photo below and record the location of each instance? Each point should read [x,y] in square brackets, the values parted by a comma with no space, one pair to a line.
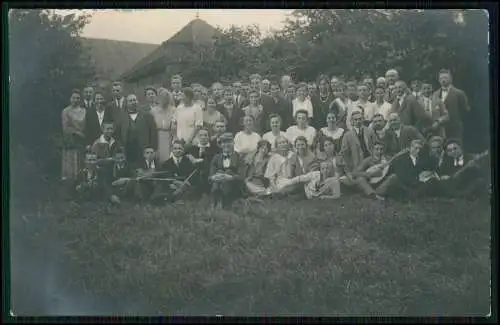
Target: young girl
[331,130]
[301,102]
[301,128]
[275,122]
[246,141]
[254,109]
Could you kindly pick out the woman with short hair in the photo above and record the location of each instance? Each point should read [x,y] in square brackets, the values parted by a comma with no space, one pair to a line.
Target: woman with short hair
[301,128]
[246,141]
[73,126]
[302,102]
[151,94]
[256,164]
[331,130]
[275,123]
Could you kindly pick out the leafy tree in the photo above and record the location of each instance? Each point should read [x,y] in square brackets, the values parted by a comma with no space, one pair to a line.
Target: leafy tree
[46,63]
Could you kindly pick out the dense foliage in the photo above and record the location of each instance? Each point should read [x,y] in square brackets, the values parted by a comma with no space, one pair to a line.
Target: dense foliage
[46,63]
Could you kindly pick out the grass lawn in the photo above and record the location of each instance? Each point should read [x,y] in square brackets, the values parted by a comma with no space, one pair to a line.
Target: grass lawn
[349,257]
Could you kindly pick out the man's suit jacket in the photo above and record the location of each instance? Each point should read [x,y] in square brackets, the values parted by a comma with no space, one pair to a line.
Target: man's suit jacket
[92,127]
[233,121]
[438,113]
[207,155]
[87,104]
[146,128]
[351,148]
[117,109]
[406,172]
[181,171]
[278,106]
[411,112]
[457,105]
[104,149]
[236,167]
[393,145]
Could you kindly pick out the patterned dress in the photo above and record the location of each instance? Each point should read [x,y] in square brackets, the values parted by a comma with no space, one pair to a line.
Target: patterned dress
[73,125]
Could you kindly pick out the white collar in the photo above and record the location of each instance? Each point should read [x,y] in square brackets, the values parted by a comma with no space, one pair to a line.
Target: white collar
[103,140]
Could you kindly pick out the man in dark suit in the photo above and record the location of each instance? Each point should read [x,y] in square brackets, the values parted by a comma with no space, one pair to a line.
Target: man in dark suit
[118,103]
[399,136]
[463,174]
[145,188]
[407,169]
[276,104]
[88,97]
[96,116]
[226,174]
[409,109]
[136,131]
[231,112]
[456,103]
[203,154]
[179,168]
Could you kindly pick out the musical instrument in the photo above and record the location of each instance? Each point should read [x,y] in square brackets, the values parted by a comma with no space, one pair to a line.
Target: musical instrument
[427,175]
[383,167]
[470,162]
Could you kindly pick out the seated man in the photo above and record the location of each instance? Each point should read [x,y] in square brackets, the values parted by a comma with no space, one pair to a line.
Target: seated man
[90,185]
[181,173]
[145,181]
[463,173]
[372,174]
[407,168]
[323,184]
[430,163]
[122,183]
[106,146]
[226,177]
[398,136]
[201,155]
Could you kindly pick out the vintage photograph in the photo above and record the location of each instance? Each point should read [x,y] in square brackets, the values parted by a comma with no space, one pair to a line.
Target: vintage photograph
[203,162]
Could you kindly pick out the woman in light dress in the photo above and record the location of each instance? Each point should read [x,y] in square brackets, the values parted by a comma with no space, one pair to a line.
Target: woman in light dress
[210,113]
[332,130]
[301,128]
[164,114]
[246,141]
[151,95]
[73,126]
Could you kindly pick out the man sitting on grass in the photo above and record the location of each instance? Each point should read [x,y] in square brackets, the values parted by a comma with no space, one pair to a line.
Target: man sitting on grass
[180,172]
[201,155]
[145,186]
[370,173]
[91,186]
[226,174]
[121,177]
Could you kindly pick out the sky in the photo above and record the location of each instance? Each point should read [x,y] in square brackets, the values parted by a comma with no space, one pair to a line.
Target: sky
[157,25]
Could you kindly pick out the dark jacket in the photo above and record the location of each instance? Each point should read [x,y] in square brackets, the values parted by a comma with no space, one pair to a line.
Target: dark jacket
[233,120]
[181,171]
[278,106]
[457,105]
[92,127]
[393,144]
[236,167]
[146,127]
[411,112]
[406,172]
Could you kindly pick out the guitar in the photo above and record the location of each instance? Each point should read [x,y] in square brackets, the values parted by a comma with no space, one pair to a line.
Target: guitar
[470,162]
[384,167]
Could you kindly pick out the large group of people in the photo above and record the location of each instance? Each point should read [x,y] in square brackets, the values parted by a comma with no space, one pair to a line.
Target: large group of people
[320,139]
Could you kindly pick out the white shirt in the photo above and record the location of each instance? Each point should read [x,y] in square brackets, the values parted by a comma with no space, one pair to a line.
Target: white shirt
[188,118]
[384,109]
[100,116]
[369,110]
[119,102]
[269,136]
[398,133]
[151,164]
[401,99]
[459,162]
[413,160]
[444,93]
[133,116]
[427,104]
[203,148]
[245,143]
[305,105]
[103,140]
[293,132]
[226,162]
[88,103]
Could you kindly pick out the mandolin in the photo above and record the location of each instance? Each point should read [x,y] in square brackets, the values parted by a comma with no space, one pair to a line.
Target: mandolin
[384,167]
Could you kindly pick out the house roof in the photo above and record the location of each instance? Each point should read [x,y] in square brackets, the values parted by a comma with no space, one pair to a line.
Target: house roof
[195,32]
[112,58]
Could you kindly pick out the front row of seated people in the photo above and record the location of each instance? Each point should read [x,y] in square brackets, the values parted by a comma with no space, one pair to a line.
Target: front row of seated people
[226,168]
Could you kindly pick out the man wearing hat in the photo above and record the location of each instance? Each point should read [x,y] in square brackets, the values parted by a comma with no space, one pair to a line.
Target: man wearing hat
[226,173]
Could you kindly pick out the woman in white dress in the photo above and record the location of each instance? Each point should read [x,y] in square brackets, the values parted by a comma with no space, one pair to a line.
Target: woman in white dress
[332,130]
[279,170]
[246,141]
[164,118]
[188,117]
[275,123]
[151,95]
[302,102]
[302,128]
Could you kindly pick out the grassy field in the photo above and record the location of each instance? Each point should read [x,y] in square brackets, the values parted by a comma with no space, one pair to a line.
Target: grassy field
[350,257]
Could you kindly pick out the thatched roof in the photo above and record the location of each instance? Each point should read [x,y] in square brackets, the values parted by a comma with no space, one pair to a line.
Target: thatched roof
[113,58]
[196,32]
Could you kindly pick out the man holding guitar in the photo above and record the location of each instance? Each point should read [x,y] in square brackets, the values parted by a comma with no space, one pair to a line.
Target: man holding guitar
[461,173]
[372,173]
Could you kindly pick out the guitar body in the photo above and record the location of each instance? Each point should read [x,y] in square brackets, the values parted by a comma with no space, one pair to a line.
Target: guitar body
[385,165]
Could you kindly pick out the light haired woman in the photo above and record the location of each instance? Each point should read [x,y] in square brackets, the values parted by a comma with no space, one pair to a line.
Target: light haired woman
[164,114]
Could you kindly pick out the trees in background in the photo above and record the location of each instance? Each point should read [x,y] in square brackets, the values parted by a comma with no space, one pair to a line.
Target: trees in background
[46,61]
